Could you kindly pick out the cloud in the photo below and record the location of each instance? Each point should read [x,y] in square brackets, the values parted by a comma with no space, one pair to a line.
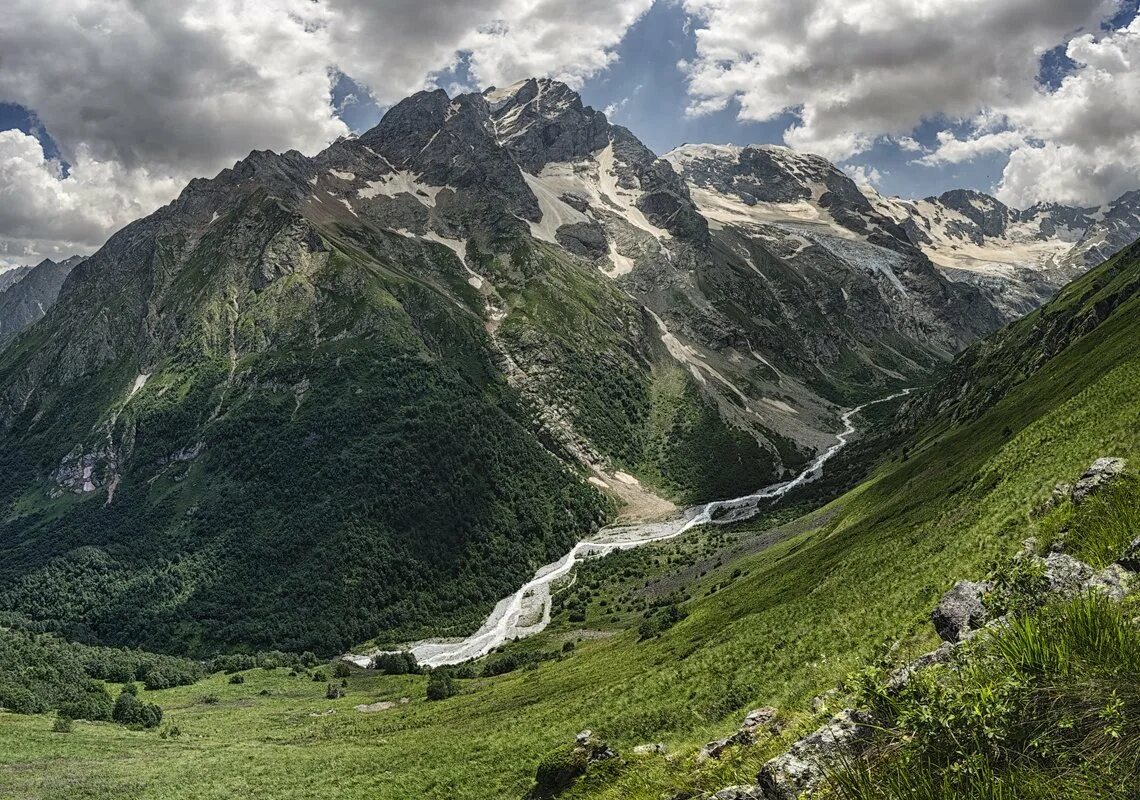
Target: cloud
[952,150]
[44,214]
[854,71]
[1083,140]
[865,176]
[131,88]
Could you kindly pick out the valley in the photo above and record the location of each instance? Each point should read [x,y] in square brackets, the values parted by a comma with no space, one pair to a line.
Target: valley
[474,380]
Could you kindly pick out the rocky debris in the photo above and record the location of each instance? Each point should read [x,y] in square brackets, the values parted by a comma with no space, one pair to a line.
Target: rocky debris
[902,676]
[960,610]
[756,720]
[804,766]
[1114,581]
[1102,471]
[740,793]
[79,471]
[1066,575]
[1131,558]
[655,748]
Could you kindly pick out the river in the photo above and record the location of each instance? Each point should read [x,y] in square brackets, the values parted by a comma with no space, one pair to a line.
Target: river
[527,611]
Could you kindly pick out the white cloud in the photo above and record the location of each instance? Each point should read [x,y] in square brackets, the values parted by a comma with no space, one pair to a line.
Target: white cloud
[852,72]
[1083,140]
[865,176]
[130,88]
[952,150]
[44,214]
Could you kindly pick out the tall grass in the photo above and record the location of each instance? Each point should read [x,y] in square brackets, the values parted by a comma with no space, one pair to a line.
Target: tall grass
[1104,525]
[1049,706]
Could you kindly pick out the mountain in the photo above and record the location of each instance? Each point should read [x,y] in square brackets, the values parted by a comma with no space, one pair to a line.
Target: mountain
[666,651]
[1017,259]
[315,401]
[26,296]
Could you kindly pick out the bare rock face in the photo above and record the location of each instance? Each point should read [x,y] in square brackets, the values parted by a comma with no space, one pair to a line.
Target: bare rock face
[1114,581]
[1066,575]
[1102,471]
[960,610]
[804,766]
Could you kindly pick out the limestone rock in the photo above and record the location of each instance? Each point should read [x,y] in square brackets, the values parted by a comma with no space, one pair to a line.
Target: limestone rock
[1102,471]
[804,766]
[1065,574]
[739,793]
[960,610]
[655,748]
[1114,581]
[1131,558]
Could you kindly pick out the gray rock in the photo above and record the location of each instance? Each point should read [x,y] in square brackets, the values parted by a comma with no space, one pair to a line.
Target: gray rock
[1102,471]
[656,748]
[739,793]
[960,610]
[757,720]
[803,768]
[1114,581]
[1065,574]
[901,676]
[1131,558]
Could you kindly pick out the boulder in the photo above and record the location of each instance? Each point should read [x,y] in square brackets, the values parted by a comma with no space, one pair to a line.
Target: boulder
[655,748]
[960,610]
[1131,558]
[804,767]
[1101,472]
[757,720]
[1066,575]
[1114,581]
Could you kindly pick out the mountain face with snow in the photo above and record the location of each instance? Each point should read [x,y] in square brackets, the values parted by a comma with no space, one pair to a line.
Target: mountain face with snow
[316,400]
[1016,258]
[27,292]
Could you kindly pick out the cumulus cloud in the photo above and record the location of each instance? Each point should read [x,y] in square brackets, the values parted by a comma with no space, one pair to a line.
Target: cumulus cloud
[44,213]
[851,72]
[1083,140]
[132,89]
[864,175]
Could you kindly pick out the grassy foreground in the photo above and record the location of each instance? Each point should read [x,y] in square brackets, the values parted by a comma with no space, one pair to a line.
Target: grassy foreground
[849,584]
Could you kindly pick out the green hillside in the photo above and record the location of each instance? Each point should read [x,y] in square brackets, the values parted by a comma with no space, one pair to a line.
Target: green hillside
[774,611]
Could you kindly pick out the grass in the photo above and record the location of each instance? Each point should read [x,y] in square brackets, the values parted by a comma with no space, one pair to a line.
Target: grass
[847,585]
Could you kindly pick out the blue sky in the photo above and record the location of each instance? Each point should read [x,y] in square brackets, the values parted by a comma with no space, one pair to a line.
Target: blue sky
[1032,100]
[647,93]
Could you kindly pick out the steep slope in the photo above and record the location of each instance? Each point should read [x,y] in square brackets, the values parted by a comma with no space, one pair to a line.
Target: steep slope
[1018,258]
[767,613]
[30,293]
[315,401]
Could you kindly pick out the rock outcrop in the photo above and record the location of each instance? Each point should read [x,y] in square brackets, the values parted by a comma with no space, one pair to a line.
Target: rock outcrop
[804,767]
[1102,472]
[960,610]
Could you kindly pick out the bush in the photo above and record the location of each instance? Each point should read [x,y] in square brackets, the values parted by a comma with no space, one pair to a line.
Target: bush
[334,692]
[129,710]
[62,724]
[400,663]
[341,670]
[237,678]
[558,770]
[319,676]
[441,686]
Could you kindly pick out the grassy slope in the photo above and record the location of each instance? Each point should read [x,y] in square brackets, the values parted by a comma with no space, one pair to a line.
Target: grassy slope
[810,610]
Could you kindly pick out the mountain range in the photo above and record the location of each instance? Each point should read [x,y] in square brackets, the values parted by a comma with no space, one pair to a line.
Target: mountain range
[320,400]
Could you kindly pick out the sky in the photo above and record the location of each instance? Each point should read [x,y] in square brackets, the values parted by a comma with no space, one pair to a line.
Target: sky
[108,107]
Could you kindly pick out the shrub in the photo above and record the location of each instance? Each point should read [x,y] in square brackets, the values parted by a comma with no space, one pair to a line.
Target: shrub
[440,686]
[333,692]
[341,670]
[237,678]
[319,676]
[129,710]
[399,663]
[558,770]
[62,724]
